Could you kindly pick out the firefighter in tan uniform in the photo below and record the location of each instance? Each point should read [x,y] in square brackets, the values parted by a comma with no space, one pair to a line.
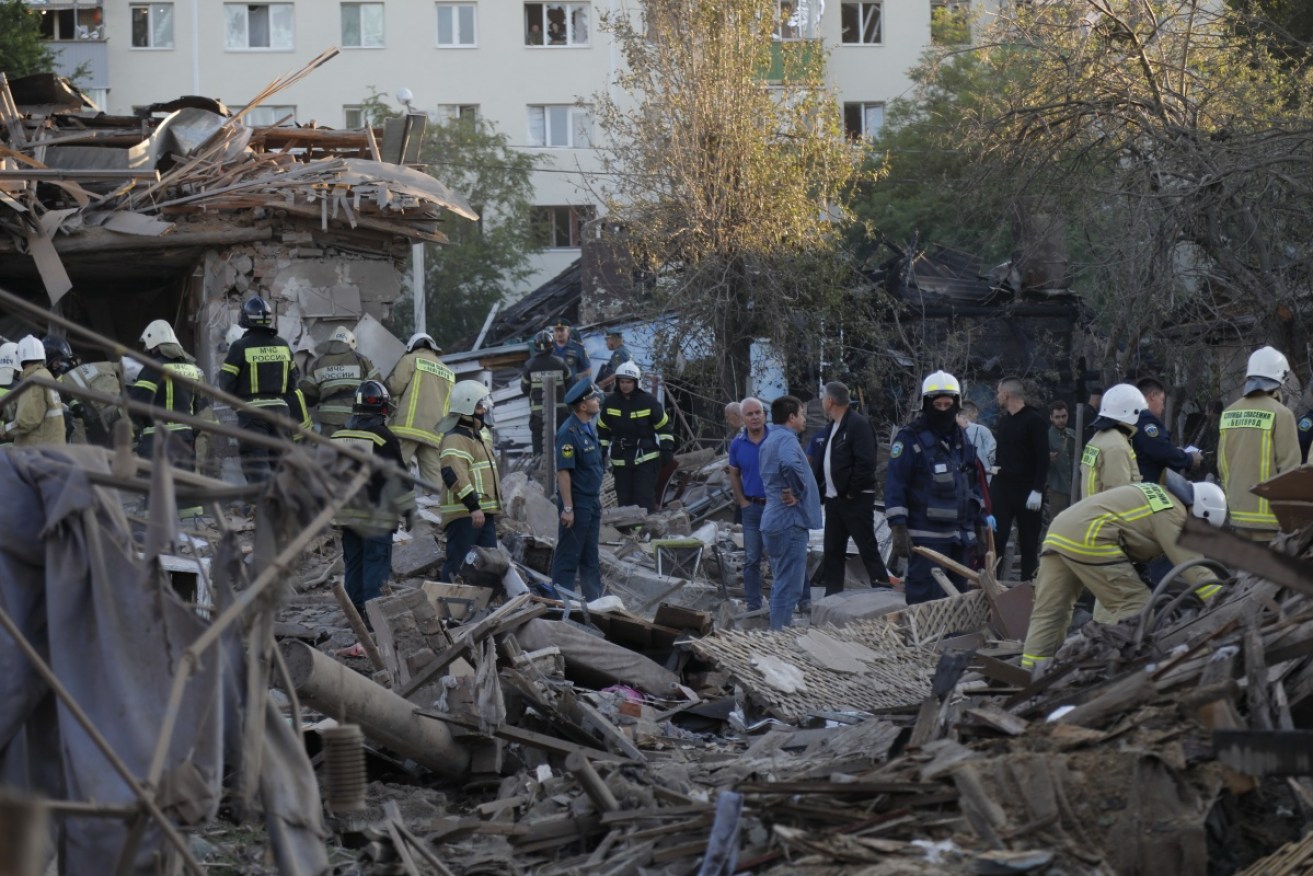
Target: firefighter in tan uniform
[38,415]
[1259,441]
[1108,459]
[471,495]
[1093,544]
[421,385]
[8,373]
[85,422]
[332,379]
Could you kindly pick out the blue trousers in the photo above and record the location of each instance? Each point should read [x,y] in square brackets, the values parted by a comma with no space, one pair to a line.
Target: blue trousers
[787,549]
[461,536]
[576,548]
[920,585]
[368,564]
[752,552]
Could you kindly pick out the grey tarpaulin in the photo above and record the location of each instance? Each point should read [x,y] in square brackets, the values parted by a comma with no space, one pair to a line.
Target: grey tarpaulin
[113,635]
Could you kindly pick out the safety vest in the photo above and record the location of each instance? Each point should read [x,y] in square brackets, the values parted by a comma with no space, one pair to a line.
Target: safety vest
[634,430]
[1259,440]
[156,386]
[1107,461]
[931,484]
[469,474]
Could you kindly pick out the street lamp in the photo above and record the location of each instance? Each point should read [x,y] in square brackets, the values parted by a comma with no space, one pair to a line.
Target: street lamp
[419,313]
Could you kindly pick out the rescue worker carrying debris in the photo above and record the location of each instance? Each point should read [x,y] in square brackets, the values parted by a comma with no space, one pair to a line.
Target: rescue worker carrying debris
[38,414]
[541,365]
[85,422]
[367,523]
[1259,440]
[260,371]
[1093,544]
[421,384]
[471,495]
[1108,459]
[934,488]
[8,374]
[155,386]
[635,430]
[332,379]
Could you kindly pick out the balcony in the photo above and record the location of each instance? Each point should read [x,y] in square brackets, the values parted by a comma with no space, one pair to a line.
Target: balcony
[90,54]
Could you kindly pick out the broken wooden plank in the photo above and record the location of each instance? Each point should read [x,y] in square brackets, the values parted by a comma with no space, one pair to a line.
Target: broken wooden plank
[996,718]
[1241,553]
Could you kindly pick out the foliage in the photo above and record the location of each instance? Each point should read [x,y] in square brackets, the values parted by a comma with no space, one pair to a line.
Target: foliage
[727,187]
[22,50]
[466,277]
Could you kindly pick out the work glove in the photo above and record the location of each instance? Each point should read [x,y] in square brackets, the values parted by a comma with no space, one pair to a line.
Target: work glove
[667,457]
[1034,500]
[901,542]
[993,523]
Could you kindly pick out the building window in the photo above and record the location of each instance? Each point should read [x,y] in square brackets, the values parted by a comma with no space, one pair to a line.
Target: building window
[362,25]
[561,227]
[556,24]
[265,115]
[560,126]
[353,116]
[455,25]
[458,112]
[862,24]
[258,25]
[71,24]
[797,19]
[863,119]
[152,26]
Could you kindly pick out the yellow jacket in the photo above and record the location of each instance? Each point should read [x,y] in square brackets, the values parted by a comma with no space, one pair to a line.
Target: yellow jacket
[469,473]
[1259,441]
[1108,461]
[420,385]
[38,413]
[102,377]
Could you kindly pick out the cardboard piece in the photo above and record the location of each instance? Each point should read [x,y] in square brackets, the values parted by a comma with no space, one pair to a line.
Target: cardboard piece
[374,341]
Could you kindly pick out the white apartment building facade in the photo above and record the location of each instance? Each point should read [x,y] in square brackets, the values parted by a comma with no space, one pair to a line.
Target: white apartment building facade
[524,65]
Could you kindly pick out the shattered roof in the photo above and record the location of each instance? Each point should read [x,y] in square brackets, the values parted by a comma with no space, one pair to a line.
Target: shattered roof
[69,171]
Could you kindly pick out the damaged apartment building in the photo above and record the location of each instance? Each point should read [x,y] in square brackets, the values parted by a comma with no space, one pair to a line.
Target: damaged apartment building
[117,220]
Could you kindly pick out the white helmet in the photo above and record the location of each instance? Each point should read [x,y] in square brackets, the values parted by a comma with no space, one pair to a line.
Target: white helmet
[30,349]
[422,337]
[940,383]
[1268,369]
[234,334]
[345,335]
[466,396]
[8,362]
[629,371]
[1123,403]
[1209,503]
[158,332]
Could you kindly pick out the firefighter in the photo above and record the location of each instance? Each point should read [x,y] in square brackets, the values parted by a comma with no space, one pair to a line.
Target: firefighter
[471,495]
[1259,440]
[421,385]
[38,414]
[1109,459]
[332,378]
[934,488]
[1093,543]
[260,371]
[541,365]
[155,386]
[85,422]
[368,522]
[8,374]
[635,430]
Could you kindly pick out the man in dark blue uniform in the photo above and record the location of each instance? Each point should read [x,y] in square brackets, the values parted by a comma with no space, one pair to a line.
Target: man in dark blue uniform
[934,488]
[615,342]
[579,488]
[260,371]
[1154,450]
[1305,425]
[571,352]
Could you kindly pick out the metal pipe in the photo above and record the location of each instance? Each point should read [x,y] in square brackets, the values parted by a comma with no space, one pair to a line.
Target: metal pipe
[1167,580]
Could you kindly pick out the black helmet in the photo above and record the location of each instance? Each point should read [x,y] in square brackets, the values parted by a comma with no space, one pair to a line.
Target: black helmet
[372,398]
[543,341]
[59,355]
[256,313]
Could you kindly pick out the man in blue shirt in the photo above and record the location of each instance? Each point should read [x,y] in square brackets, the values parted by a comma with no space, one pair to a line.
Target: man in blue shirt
[793,506]
[571,352]
[579,488]
[749,493]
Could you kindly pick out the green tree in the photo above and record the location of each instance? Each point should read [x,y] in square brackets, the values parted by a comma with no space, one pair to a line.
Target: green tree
[482,260]
[22,50]
[728,169]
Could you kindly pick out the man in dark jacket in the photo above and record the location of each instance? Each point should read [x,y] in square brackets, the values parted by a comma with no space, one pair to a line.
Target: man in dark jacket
[542,365]
[844,466]
[1154,450]
[260,371]
[1017,491]
[635,432]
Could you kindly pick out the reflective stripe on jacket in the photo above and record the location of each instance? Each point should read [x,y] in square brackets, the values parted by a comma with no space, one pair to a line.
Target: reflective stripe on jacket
[1133,522]
[634,429]
[155,387]
[421,386]
[469,473]
[932,484]
[259,369]
[38,413]
[332,379]
[1107,461]
[375,510]
[1259,441]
